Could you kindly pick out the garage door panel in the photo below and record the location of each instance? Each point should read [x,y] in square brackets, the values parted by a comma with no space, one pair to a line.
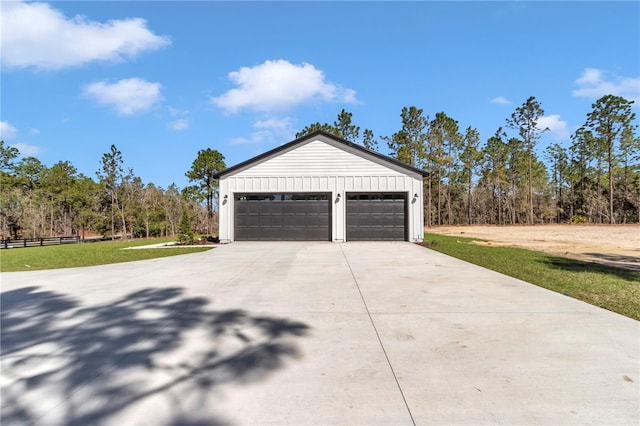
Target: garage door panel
[298,221]
[389,207]
[276,221]
[358,234]
[296,217]
[288,208]
[249,220]
[393,233]
[376,216]
[392,220]
[323,222]
[273,208]
[374,220]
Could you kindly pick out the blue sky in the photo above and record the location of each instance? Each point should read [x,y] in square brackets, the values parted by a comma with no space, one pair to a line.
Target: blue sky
[162,80]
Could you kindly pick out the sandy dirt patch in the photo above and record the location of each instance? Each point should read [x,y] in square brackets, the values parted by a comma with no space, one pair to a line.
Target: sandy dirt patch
[615,245]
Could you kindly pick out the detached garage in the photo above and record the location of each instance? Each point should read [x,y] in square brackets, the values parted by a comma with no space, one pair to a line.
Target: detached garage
[321,188]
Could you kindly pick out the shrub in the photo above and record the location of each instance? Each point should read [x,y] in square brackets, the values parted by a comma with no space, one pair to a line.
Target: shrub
[185,232]
[579,219]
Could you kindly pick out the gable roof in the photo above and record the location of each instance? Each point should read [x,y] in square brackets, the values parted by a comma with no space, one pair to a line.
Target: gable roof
[307,137]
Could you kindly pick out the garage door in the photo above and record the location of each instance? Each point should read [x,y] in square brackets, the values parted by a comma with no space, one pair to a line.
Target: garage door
[286,217]
[376,216]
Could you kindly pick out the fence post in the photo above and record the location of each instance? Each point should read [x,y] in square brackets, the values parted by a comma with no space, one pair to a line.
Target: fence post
[24,242]
[41,241]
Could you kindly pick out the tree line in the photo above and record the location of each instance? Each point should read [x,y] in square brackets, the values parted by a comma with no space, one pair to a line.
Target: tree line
[39,201]
[501,180]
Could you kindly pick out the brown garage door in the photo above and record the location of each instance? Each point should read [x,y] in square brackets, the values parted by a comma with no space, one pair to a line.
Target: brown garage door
[376,216]
[285,217]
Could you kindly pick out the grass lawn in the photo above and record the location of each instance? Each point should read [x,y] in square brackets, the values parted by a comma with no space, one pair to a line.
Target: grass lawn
[615,289]
[87,254]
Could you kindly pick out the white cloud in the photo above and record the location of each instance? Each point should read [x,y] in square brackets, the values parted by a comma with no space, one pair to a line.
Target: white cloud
[128,96]
[179,124]
[282,126]
[37,35]
[557,127]
[593,84]
[279,85]
[590,76]
[7,131]
[34,132]
[27,150]
[175,112]
[501,100]
[255,138]
[268,130]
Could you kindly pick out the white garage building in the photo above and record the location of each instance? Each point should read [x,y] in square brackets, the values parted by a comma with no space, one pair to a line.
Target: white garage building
[321,187]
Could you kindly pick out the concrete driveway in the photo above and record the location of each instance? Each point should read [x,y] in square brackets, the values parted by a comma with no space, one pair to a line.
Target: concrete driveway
[309,333]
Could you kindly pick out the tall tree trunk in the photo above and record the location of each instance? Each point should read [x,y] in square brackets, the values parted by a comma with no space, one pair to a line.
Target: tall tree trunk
[448,195]
[469,200]
[430,202]
[429,207]
[122,217]
[51,220]
[625,189]
[612,218]
[530,195]
[439,197]
[500,208]
[124,224]
[572,195]
[113,221]
[599,194]
[513,202]
[561,209]
[209,209]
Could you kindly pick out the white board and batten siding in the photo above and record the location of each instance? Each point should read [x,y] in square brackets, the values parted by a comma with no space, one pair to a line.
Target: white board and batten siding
[323,165]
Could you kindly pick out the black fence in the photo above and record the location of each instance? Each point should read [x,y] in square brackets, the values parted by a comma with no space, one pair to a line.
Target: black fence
[38,242]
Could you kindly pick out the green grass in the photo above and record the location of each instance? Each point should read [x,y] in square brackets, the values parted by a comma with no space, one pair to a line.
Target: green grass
[87,254]
[615,289]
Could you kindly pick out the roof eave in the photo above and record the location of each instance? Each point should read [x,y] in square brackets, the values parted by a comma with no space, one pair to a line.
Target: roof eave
[311,135]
